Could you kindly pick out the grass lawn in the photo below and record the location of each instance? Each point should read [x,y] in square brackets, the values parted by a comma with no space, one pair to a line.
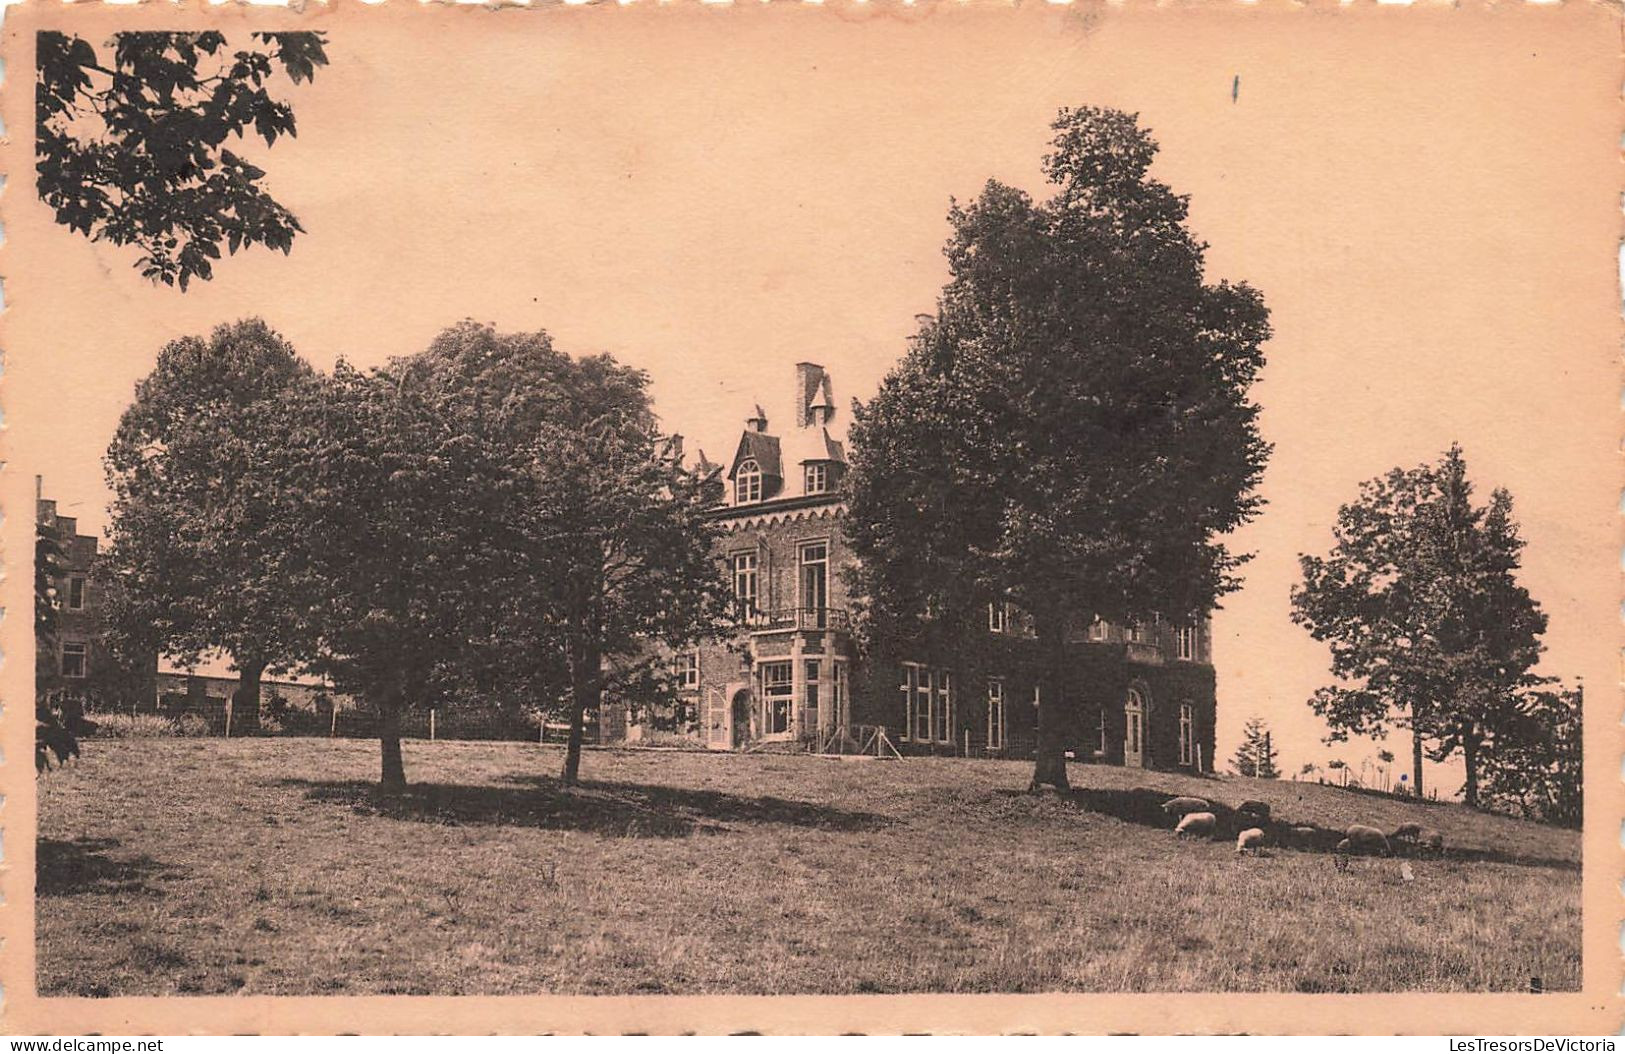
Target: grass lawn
[269,866]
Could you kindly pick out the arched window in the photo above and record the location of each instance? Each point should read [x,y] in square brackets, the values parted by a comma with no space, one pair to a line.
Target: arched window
[1134,713]
[748,482]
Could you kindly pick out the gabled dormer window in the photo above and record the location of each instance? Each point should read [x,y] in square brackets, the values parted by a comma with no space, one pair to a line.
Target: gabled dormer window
[817,477]
[748,482]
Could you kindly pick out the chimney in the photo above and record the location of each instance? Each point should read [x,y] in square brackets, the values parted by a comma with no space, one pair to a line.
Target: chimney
[813,403]
[757,423]
[39,487]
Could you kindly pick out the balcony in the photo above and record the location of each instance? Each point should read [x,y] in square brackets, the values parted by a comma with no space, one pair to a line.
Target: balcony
[782,619]
[1144,651]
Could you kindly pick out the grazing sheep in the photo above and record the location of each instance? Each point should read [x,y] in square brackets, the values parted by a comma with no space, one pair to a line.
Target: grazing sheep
[1365,840]
[1250,839]
[1257,810]
[1431,840]
[1183,806]
[1408,832]
[1304,834]
[1196,825]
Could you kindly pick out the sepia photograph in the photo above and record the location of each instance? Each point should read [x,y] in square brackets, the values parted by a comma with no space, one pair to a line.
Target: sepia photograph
[813,500]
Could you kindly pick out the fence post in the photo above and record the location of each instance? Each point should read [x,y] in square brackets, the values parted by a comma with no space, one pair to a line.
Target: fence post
[431,724]
[229,698]
[333,731]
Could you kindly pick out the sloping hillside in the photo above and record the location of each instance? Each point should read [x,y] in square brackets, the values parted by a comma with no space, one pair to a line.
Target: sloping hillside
[271,866]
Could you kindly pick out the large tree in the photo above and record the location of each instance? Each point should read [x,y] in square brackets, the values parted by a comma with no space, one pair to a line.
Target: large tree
[202,558]
[1535,766]
[1427,625]
[546,531]
[131,145]
[1072,430]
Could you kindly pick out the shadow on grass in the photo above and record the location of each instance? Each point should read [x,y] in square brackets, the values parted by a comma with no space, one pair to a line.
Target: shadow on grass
[86,865]
[622,810]
[1143,806]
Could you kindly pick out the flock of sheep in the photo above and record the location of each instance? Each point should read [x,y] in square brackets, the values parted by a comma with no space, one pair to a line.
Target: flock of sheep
[1197,819]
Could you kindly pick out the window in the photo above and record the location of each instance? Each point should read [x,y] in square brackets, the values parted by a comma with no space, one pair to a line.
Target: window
[942,714]
[1134,715]
[685,670]
[810,685]
[748,482]
[817,478]
[1185,642]
[777,689]
[744,566]
[76,593]
[927,704]
[73,658]
[1099,630]
[998,617]
[1137,632]
[815,579]
[1187,733]
[995,714]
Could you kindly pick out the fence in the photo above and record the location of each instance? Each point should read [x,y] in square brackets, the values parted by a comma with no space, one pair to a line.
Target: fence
[203,716]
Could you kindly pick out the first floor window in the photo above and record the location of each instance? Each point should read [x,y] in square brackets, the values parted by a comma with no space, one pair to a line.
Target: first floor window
[995,714]
[810,686]
[744,569]
[942,715]
[76,593]
[777,691]
[927,703]
[998,616]
[1187,733]
[74,655]
[686,670]
[1185,642]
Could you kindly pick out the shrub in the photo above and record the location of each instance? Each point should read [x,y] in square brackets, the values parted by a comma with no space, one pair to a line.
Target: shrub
[193,725]
[132,726]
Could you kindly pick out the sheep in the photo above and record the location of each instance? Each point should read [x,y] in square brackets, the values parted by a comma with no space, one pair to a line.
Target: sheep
[1362,839]
[1196,825]
[1408,832]
[1183,806]
[1430,840]
[1250,839]
[1303,834]
[1256,810]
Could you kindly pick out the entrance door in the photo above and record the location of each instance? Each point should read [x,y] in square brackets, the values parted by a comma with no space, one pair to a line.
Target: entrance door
[1134,730]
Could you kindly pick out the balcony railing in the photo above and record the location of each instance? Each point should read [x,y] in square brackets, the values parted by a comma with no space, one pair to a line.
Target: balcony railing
[800,618]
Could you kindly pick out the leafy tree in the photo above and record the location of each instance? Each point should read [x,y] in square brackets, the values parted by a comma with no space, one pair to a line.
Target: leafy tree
[133,150]
[1427,625]
[1072,430]
[550,533]
[1534,767]
[1256,755]
[202,557]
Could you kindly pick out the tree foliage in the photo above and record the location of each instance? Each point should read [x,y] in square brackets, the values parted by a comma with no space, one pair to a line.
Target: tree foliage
[1535,766]
[1072,430]
[1256,756]
[131,148]
[550,533]
[1420,606]
[204,555]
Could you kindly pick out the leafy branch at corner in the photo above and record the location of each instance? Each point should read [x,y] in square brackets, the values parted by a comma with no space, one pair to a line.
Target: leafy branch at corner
[131,147]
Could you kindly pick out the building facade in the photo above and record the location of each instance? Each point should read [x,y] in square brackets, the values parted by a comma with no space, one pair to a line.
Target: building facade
[792,675]
[72,659]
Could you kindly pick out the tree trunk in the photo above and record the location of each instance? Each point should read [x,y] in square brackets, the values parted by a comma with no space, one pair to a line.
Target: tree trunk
[245,707]
[584,680]
[393,777]
[1416,761]
[1049,765]
[1469,754]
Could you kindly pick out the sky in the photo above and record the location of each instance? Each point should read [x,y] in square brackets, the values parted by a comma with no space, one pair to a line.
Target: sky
[718,194]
